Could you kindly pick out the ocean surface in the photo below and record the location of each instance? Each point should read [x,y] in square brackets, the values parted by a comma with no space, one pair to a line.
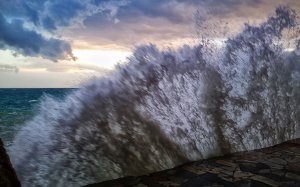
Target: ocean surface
[19,105]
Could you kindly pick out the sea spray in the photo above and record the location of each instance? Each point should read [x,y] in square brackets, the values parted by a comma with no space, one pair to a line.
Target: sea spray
[164,108]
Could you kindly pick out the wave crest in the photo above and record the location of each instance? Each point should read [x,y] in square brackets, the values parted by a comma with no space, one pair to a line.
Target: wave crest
[164,108]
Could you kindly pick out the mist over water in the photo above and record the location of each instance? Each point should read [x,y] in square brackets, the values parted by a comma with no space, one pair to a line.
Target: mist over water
[164,108]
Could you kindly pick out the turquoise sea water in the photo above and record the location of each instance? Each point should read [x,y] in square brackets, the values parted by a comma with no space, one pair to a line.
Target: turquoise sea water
[19,105]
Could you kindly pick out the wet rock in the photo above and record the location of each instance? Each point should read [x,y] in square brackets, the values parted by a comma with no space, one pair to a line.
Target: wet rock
[293,176]
[238,175]
[8,177]
[259,168]
[278,161]
[265,180]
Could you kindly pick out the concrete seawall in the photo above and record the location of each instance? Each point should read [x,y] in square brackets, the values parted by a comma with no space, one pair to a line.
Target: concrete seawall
[276,166]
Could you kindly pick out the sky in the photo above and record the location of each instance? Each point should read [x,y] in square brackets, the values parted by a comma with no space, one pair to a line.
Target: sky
[62,43]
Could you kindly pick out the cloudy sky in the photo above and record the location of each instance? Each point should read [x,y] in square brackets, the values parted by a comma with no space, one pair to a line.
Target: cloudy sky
[60,43]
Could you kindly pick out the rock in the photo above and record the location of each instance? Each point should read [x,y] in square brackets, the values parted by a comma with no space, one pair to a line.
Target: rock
[278,161]
[8,177]
[293,176]
[253,168]
[265,180]
[238,175]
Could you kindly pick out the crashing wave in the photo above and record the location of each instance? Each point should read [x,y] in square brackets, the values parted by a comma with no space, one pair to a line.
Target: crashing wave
[164,108]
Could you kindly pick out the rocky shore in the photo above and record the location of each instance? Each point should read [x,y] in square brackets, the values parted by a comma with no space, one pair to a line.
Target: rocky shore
[277,166]
[8,177]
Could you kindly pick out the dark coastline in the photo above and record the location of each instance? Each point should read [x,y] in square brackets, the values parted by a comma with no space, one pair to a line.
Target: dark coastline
[278,165]
[8,177]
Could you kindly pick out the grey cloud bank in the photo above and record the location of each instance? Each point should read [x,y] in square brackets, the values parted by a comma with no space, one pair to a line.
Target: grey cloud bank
[30,43]
[23,24]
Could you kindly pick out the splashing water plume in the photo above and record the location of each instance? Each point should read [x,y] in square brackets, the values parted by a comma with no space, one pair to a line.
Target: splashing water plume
[164,108]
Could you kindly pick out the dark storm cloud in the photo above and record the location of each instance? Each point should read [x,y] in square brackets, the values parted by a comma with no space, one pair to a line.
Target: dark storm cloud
[153,8]
[45,13]
[220,2]
[63,11]
[29,43]
[102,19]
[138,21]
[48,23]
[174,11]
[166,8]
[223,8]
[159,21]
[111,21]
[23,25]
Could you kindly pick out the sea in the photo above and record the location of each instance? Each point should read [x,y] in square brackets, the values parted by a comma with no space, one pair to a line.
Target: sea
[19,105]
